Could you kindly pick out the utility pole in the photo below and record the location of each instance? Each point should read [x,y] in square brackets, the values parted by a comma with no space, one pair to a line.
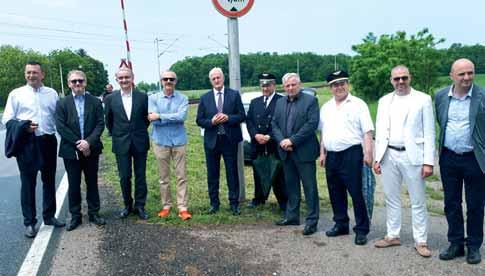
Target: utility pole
[159,54]
[298,66]
[62,82]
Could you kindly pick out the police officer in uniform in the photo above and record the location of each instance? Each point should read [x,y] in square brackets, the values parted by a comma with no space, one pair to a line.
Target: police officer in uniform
[258,122]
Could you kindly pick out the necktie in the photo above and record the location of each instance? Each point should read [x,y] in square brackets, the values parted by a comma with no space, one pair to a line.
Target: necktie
[220,127]
[265,102]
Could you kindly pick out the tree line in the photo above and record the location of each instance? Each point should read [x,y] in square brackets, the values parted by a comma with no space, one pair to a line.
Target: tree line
[13,59]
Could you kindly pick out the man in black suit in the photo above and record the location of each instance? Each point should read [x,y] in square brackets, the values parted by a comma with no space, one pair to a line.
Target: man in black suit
[126,113]
[258,122]
[294,124]
[220,113]
[79,121]
[460,110]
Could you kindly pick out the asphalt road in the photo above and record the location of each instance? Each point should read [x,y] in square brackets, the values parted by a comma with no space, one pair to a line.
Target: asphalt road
[14,245]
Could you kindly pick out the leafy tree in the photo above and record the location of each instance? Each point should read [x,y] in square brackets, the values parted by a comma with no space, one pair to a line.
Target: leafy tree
[370,68]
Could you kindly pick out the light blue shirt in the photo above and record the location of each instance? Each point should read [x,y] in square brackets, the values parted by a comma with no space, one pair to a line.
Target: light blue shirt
[458,134]
[79,102]
[169,130]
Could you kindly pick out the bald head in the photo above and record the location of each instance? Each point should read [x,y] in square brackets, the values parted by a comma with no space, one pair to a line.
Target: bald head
[462,73]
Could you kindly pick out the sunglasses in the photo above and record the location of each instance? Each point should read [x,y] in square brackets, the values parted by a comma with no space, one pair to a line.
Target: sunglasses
[77,81]
[403,78]
[168,79]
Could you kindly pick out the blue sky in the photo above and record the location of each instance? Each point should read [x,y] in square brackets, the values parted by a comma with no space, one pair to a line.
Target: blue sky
[323,27]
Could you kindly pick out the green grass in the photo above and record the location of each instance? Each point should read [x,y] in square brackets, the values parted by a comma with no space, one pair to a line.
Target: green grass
[197,186]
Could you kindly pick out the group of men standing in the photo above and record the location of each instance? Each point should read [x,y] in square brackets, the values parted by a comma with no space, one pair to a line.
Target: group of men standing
[281,126]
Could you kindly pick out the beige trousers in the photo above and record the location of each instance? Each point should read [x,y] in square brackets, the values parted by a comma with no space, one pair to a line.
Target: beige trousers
[164,155]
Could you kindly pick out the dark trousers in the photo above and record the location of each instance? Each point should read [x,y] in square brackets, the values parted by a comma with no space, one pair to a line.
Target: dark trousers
[139,162]
[278,189]
[344,173]
[74,168]
[48,150]
[455,170]
[228,150]
[296,171]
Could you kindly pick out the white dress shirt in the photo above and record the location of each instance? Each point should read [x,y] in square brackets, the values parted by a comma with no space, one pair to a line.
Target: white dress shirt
[37,105]
[344,126]
[270,98]
[127,99]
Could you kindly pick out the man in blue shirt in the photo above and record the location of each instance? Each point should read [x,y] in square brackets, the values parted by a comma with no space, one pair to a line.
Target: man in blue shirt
[167,112]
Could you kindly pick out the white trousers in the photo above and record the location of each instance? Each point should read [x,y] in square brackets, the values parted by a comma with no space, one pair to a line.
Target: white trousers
[396,169]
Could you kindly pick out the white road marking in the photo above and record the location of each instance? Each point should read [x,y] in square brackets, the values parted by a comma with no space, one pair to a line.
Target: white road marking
[32,261]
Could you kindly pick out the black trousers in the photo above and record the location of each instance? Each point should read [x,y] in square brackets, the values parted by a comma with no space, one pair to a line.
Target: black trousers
[457,170]
[228,150]
[278,189]
[28,179]
[139,162]
[296,171]
[74,168]
[344,174]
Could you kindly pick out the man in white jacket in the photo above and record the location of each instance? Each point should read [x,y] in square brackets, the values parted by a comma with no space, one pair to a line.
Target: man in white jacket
[405,145]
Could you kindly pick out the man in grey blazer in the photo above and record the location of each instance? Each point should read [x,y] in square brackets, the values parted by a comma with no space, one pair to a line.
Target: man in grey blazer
[460,110]
[294,124]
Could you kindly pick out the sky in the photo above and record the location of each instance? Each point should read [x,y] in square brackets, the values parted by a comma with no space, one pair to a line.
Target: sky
[194,27]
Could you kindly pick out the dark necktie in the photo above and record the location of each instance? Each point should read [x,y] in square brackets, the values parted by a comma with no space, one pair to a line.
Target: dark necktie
[220,127]
[265,102]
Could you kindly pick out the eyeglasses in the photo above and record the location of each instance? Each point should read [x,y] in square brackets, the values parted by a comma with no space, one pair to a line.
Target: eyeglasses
[168,79]
[403,78]
[77,81]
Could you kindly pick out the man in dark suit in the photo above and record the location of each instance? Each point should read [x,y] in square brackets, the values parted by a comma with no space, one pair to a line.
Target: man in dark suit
[294,124]
[258,122]
[460,110]
[220,113]
[79,121]
[126,113]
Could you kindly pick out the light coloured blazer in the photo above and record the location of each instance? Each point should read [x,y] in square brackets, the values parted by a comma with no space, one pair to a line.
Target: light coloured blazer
[419,128]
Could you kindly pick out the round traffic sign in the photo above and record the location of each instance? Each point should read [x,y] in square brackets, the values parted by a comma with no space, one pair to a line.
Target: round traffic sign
[233,8]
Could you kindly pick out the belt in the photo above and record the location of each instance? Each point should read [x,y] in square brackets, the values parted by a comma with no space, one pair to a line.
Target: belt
[396,148]
[459,153]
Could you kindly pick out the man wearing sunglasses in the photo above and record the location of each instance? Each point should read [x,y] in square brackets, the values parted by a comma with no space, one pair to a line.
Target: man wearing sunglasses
[126,114]
[167,111]
[79,121]
[405,147]
[460,110]
[30,109]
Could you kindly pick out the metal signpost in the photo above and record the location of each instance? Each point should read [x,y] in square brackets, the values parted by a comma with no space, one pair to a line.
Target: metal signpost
[233,9]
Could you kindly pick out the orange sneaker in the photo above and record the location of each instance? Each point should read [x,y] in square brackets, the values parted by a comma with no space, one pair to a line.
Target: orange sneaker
[164,213]
[185,215]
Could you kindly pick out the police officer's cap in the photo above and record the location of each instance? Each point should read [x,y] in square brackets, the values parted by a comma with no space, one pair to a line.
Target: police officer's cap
[266,79]
[337,76]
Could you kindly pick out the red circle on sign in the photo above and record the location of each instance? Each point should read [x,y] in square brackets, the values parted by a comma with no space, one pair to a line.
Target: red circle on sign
[227,13]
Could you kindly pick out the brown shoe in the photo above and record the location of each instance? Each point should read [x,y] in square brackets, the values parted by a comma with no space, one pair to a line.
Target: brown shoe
[185,215]
[164,213]
[387,242]
[423,250]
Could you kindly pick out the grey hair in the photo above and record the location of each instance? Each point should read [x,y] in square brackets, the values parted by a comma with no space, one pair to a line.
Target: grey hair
[216,70]
[399,67]
[288,76]
[79,72]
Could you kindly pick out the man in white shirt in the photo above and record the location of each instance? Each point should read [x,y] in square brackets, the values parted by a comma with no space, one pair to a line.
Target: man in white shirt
[346,144]
[36,103]
[405,145]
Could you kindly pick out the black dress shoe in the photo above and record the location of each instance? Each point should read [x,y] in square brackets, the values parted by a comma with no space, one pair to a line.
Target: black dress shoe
[285,222]
[235,210]
[360,239]
[309,230]
[140,211]
[97,219]
[473,256]
[337,231]
[212,210]
[75,222]
[30,231]
[125,212]
[54,222]
[453,251]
